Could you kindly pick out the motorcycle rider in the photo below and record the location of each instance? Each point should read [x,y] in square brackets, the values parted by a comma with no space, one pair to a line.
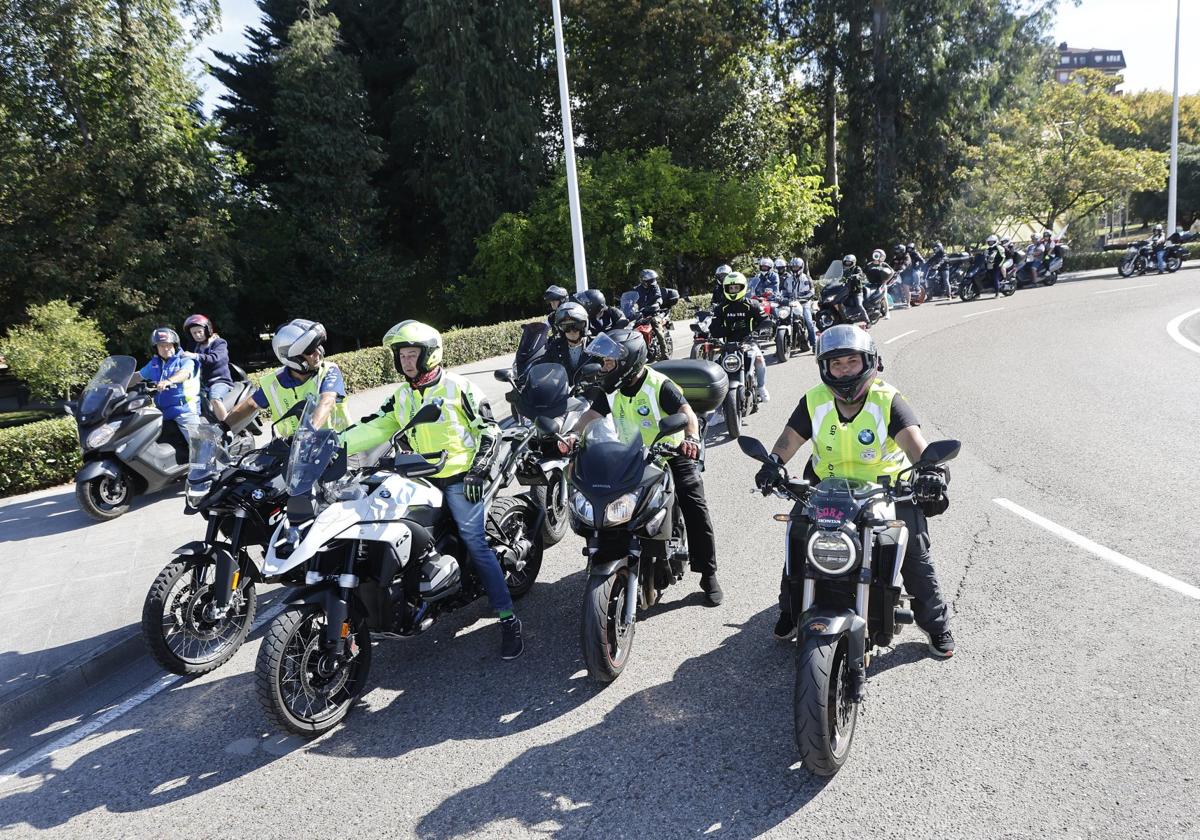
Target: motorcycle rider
[554,296]
[201,340]
[901,264]
[649,295]
[176,378]
[846,415]
[798,286]
[719,276]
[466,432]
[569,345]
[1158,244]
[919,274]
[299,345]
[994,262]
[879,276]
[856,281]
[738,318]
[640,393]
[937,264]
[601,316]
[765,279]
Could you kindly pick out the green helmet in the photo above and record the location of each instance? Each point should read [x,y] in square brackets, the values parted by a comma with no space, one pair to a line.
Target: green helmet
[734,278]
[412,333]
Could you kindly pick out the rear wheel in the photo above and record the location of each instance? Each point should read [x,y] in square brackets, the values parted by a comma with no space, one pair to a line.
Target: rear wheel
[668,344]
[824,711]
[1173,264]
[508,530]
[733,418]
[607,639]
[1050,279]
[105,497]
[967,292]
[697,351]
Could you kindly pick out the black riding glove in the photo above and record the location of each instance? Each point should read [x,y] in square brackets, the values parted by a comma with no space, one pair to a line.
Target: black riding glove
[930,485]
[477,477]
[770,475]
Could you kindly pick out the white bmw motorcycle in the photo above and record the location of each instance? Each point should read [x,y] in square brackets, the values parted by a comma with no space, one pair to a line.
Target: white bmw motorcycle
[382,558]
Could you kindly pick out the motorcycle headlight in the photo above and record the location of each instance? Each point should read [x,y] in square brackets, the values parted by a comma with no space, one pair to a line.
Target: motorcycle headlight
[620,509]
[731,363]
[102,435]
[582,507]
[832,552]
[784,312]
[195,491]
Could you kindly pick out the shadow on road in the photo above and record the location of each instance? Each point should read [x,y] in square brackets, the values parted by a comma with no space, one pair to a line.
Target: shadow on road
[59,513]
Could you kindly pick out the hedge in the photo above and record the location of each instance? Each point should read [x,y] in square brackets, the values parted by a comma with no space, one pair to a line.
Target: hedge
[1091,260]
[46,453]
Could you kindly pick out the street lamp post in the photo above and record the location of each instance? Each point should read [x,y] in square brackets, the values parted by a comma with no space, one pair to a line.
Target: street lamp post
[581,281]
[1173,186]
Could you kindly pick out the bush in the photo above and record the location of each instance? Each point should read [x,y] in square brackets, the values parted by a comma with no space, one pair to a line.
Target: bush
[56,352]
[1091,260]
[38,455]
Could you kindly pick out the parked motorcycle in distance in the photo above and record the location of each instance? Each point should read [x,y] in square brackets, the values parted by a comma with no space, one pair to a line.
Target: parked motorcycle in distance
[974,279]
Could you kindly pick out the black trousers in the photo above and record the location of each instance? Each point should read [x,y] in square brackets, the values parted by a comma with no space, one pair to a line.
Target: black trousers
[920,579]
[997,278]
[689,487]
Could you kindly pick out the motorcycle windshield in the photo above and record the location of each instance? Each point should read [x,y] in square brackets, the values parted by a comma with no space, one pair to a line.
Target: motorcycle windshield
[833,292]
[110,382]
[312,451]
[533,339]
[836,501]
[546,391]
[207,455]
[605,467]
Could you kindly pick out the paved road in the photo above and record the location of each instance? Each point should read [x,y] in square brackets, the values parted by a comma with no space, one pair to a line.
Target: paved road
[1067,711]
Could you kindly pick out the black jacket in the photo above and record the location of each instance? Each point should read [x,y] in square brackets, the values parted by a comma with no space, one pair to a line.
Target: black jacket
[648,296]
[736,320]
[557,350]
[610,318]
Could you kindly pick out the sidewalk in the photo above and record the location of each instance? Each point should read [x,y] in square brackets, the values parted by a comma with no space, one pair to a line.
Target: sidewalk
[71,590]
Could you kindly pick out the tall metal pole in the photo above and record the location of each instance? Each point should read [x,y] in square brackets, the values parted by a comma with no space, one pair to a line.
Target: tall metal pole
[1173,186]
[581,281]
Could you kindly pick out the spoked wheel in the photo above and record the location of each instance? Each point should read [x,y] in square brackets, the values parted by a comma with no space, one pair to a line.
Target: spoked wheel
[967,292]
[179,626]
[824,709]
[607,639]
[508,531]
[733,418]
[104,498]
[303,687]
[553,498]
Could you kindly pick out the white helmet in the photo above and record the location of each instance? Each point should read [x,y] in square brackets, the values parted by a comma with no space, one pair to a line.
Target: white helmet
[294,339]
[780,265]
[877,255]
[993,240]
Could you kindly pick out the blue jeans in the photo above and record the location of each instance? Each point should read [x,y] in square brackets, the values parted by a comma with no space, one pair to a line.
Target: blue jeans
[216,391]
[186,423]
[1161,256]
[470,518]
[806,312]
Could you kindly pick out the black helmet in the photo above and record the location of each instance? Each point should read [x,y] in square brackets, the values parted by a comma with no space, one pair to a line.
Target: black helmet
[592,300]
[721,271]
[199,321]
[625,347]
[847,340]
[164,335]
[555,293]
[648,276]
[571,315]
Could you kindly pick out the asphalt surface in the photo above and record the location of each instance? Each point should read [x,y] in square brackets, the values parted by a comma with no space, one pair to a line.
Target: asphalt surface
[1068,710]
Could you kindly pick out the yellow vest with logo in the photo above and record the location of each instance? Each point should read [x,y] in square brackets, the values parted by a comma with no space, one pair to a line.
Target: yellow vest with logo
[281,398]
[640,414]
[861,448]
[456,433]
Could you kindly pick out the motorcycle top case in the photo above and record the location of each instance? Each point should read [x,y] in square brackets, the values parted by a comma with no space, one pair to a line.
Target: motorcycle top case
[703,383]
[670,297]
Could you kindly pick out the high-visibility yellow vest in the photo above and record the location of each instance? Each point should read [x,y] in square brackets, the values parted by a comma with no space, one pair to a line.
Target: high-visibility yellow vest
[280,399]
[641,413]
[861,448]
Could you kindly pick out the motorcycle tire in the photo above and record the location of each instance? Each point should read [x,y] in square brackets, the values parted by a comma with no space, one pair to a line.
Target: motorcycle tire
[781,348]
[669,344]
[825,320]
[1173,264]
[824,713]
[967,292]
[733,418]
[290,652]
[1126,267]
[606,642]
[1050,279]
[1008,288]
[105,497]
[552,498]
[507,520]
[697,352]
[185,611]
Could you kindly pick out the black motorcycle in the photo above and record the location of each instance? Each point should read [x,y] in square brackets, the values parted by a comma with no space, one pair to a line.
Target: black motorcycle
[790,331]
[127,448]
[201,606]
[831,307]
[974,279]
[741,400]
[845,551]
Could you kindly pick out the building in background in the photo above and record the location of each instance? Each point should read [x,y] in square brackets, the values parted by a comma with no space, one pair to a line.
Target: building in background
[1072,59]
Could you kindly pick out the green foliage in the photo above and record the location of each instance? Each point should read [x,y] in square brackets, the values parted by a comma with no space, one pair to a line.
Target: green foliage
[38,455]
[1048,161]
[56,352]
[1150,114]
[1151,205]
[639,211]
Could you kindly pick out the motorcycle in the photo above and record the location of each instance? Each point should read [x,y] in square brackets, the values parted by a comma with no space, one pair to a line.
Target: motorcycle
[201,605]
[1140,257]
[127,448]
[741,400]
[846,591]
[970,286]
[654,324]
[831,308]
[703,346]
[766,334]
[381,558]
[790,331]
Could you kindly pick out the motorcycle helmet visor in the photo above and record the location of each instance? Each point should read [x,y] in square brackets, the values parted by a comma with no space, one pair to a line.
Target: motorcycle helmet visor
[603,347]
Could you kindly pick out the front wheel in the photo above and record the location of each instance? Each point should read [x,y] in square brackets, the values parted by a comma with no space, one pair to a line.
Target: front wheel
[305,688]
[824,711]
[607,639]
[825,320]
[553,499]
[104,498]
[733,419]
[508,532]
[967,292]
[1009,287]
[781,346]
[1050,279]
[1125,267]
[177,623]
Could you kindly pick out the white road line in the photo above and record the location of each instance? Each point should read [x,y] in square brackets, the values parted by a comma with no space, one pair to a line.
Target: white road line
[983,312]
[1102,552]
[897,338]
[1126,289]
[80,732]
[1173,331]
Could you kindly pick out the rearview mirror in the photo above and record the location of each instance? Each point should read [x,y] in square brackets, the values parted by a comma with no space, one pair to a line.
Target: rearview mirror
[295,411]
[939,452]
[431,412]
[548,426]
[753,448]
[671,425]
[503,375]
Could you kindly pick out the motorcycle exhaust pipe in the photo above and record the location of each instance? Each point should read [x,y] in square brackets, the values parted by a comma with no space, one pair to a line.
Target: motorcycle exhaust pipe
[905,616]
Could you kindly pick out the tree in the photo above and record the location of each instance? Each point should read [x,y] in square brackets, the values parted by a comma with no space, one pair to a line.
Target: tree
[56,352]
[1150,112]
[1151,206]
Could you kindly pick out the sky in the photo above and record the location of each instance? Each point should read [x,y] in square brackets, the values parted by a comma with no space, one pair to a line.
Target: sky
[1144,29]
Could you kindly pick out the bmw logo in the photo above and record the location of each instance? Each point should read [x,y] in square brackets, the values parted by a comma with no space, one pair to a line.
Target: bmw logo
[258,495]
[866,437]
[643,410]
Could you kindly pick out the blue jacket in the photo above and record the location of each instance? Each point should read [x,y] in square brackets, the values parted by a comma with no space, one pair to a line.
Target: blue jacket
[178,399]
[214,359]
